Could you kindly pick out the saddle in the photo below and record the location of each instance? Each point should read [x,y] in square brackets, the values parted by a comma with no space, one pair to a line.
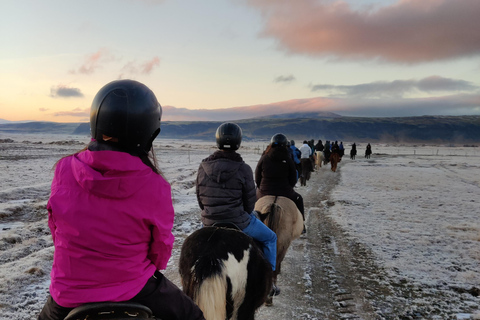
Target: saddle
[233,226]
[110,310]
[226,225]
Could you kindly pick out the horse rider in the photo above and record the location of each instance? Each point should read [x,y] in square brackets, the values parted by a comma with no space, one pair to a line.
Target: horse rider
[275,173]
[326,151]
[226,190]
[342,149]
[368,151]
[305,162]
[296,156]
[111,215]
[353,152]
[319,146]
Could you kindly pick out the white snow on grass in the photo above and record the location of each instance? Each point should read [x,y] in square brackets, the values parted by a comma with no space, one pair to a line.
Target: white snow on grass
[418,213]
[417,208]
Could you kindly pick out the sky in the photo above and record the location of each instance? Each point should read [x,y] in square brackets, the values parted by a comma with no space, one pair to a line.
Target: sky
[232,59]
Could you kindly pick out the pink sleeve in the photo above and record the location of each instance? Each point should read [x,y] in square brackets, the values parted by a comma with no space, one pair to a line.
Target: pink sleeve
[51,222]
[51,219]
[162,238]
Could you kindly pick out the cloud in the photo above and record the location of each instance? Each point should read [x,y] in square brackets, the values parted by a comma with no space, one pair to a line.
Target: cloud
[437,83]
[134,67]
[77,112]
[397,88]
[456,104]
[62,91]
[94,61]
[461,104]
[408,31]
[151,2]
[284,79]
[42,109]
[148,66]
[291,106]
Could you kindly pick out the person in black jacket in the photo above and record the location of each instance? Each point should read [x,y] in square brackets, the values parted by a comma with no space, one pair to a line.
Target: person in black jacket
[276,174]
[226,190]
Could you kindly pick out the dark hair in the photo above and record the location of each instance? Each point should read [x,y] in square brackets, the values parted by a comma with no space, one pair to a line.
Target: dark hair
[277,154]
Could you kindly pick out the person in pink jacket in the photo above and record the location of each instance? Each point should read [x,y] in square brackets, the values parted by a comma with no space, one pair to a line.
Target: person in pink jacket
[110,213]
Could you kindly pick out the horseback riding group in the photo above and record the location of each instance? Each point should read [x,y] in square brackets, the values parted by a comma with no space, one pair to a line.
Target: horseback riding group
[111,215]
[329,153]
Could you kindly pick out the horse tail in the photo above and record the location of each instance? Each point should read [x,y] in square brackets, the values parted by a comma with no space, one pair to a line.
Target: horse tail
[211,297]
[274,216]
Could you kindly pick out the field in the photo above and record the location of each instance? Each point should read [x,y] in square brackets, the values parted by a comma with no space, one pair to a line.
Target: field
[396,236]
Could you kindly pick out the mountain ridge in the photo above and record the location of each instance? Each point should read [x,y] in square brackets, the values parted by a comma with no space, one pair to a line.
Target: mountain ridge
[303,126]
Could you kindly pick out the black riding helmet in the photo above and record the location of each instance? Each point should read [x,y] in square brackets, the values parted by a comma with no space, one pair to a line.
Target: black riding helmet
[279,140]
[228,136]
[129,111]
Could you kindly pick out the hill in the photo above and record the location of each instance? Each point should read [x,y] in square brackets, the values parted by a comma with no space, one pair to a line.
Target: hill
[458,129]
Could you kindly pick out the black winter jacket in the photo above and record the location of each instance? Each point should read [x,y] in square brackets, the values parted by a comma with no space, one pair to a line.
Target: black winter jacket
[276,174]
[225,189]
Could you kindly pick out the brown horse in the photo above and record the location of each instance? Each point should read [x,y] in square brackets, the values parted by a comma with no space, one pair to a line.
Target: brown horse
[334,160]
[282,216]
[319,158]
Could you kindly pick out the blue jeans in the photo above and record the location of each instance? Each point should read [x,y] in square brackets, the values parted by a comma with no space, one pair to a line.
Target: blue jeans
[260,232]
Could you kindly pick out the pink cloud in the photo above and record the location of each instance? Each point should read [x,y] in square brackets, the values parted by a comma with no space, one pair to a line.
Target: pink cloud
[409,31]
[291,106]
[457,104]
[132,67]
[148,66]
[94,61]
[77,112]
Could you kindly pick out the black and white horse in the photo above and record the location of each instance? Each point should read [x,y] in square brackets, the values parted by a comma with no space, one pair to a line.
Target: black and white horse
[223,270]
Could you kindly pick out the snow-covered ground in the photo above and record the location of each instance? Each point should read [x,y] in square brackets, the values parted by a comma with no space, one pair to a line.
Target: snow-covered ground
[418,210]
[416,207]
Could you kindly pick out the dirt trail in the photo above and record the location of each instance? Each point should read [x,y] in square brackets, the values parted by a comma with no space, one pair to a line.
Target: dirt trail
[326,275]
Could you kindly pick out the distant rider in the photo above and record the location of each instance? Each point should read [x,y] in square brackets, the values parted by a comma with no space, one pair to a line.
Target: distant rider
[275,173]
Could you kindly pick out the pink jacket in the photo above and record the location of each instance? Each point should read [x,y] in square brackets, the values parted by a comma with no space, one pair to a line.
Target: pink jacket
[111,219]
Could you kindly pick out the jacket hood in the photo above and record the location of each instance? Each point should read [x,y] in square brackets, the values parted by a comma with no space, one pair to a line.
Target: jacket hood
[110,174]
[222,165]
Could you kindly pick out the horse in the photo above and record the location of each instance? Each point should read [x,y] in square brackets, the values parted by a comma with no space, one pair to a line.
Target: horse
[368,152]
[326,156]
[282,216]
[318,159]
[334,160]
[353,153]
[306,171]
[225,273]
